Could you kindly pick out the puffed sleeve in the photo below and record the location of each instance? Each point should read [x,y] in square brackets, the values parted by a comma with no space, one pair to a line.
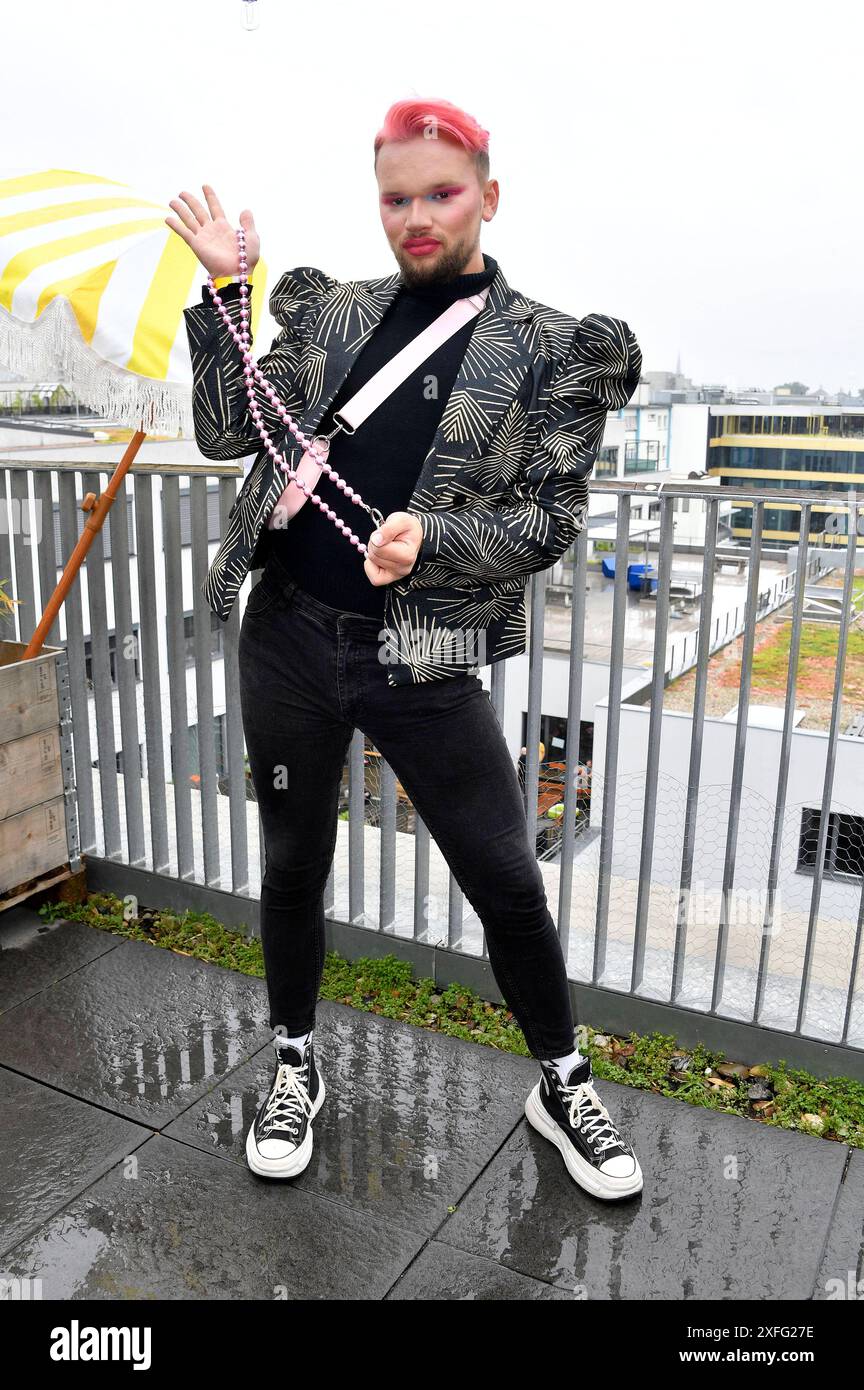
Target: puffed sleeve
[296,290]
[224,429]
[548,506]
[606,360]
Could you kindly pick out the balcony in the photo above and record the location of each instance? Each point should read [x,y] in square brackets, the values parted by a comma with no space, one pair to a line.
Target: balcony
[689,876]
[698,818]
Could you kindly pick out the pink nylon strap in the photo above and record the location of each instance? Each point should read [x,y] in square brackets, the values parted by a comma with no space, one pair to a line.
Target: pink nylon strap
[376,390]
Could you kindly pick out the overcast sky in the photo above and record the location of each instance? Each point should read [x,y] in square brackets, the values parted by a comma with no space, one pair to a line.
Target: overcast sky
[692,168]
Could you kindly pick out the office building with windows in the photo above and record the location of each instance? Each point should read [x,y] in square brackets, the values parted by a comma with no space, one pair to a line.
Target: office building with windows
[793,447]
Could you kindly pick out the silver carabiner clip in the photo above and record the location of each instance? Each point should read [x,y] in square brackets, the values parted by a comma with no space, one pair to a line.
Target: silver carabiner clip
[335,430]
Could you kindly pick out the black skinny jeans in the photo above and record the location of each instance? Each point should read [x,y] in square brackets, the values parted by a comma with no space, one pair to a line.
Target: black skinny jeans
[308,676]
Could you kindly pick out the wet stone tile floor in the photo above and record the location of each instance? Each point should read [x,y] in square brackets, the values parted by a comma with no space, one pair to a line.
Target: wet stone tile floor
[129,1076]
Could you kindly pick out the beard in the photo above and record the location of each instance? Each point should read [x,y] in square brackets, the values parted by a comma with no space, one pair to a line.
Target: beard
[448,263]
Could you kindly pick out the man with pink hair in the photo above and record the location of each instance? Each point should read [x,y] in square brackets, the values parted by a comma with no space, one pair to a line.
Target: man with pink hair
[478,463]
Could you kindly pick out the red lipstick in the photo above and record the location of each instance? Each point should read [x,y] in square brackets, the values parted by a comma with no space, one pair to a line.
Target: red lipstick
[421,246]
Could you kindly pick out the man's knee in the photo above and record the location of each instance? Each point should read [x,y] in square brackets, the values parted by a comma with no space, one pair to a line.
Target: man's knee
[511,879]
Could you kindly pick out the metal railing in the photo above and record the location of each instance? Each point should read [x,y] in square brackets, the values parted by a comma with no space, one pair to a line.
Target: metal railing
[690,812]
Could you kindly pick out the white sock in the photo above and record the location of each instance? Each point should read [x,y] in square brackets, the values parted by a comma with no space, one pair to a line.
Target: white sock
[298,1042]
[565,1065]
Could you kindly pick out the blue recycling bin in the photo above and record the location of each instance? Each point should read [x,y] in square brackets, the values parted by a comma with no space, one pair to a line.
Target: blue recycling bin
[608,565]
[641,578]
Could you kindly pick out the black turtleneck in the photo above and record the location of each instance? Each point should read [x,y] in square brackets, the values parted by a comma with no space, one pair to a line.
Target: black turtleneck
[382,460]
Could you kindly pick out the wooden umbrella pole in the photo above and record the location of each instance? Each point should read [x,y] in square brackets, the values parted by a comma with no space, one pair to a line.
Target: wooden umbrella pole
[98,508]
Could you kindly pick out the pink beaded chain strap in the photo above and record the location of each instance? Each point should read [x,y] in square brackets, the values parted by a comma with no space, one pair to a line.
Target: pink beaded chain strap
[314,460]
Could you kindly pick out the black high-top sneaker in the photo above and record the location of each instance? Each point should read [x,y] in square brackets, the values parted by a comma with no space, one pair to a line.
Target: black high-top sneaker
[279,1142]
[573,1117]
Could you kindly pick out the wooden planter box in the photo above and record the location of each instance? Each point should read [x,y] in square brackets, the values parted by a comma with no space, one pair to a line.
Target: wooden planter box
[38,828]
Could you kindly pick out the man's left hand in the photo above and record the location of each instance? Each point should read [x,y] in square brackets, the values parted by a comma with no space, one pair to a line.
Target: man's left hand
[393,548]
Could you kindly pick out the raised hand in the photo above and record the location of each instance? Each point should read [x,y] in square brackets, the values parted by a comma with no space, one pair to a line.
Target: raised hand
[210,234]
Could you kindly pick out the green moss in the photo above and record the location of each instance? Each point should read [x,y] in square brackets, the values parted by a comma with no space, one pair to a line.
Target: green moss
[819,644]
[387,987]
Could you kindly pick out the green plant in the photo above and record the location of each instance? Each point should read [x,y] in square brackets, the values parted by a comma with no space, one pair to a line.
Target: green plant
[8,604]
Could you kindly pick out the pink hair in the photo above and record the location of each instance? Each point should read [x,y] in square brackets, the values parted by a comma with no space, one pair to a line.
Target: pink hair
[406,119]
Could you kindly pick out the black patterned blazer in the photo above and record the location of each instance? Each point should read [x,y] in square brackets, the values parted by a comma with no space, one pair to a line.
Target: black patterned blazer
[503,489]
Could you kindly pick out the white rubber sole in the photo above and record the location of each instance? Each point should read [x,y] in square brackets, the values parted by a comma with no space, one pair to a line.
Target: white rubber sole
[598,1184]
[294,1162]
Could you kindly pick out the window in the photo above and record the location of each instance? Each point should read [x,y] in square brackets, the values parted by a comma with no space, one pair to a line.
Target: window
[641,459]
[607,462]
[214,529]
[216,636]
[844,846]
[120,760]
[553,733]
[218,736]
[105,533]
[129,650]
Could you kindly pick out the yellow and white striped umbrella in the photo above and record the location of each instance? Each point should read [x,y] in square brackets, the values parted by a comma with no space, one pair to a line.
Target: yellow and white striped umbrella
[92,290]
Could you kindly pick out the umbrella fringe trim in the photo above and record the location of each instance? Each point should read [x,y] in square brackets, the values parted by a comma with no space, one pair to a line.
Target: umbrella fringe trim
[52,346]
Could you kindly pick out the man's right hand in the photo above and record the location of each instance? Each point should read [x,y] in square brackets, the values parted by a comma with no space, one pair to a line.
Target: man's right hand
[210,234]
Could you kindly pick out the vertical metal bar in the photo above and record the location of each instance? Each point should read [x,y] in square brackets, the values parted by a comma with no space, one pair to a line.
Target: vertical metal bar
[574,729]
[708,630]
[46,557]
[610,767]
[497,687]
[497,694]
[853,971]
[100,665]
[256,576]
[7,526]
[535,699]
[830,758]
[207,785]
[655,727]
[422,924]
[356,829]
[751,613]
[785,755]
[387,873]
[72,613]
[148,632]
[22,540]
[455,907]
[176,649]
[235,765]
[125,656]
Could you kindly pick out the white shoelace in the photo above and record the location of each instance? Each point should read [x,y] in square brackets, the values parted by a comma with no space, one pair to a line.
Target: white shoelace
[588,1113]
[287,1095]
